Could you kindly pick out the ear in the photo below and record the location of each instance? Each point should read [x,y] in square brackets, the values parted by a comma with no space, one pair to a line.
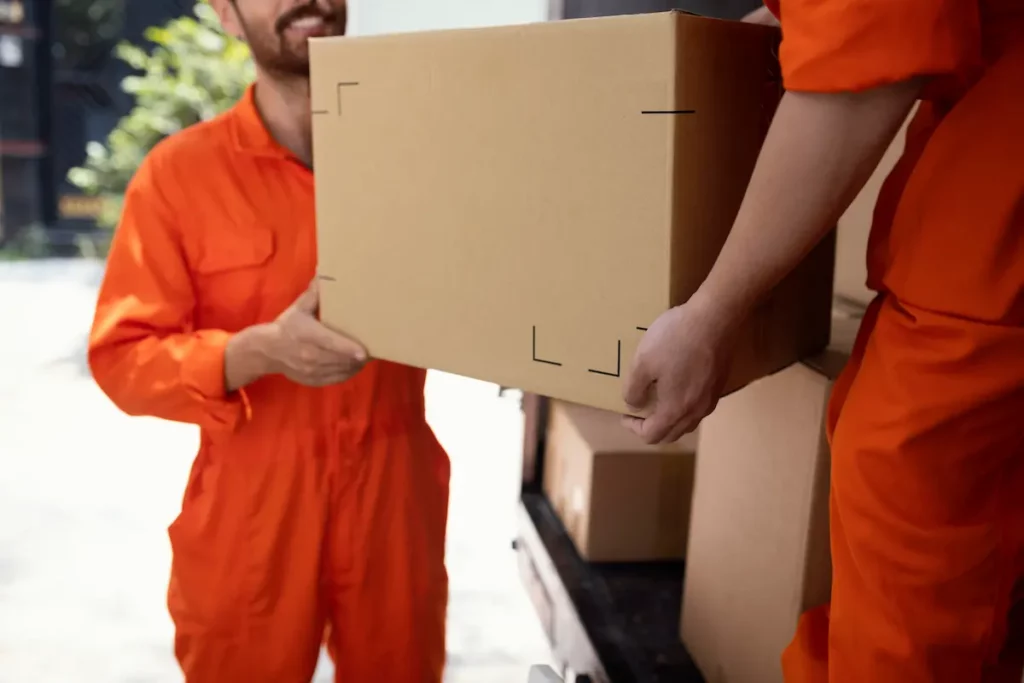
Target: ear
[228,14]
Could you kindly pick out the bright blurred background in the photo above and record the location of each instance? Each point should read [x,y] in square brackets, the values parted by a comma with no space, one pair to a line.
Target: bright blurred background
[86,88]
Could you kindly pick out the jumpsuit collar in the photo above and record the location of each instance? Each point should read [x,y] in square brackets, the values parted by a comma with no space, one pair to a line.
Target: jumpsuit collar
[251,134]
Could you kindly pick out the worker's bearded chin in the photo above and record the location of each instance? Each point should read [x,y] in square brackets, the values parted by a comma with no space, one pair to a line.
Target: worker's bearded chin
[282,50]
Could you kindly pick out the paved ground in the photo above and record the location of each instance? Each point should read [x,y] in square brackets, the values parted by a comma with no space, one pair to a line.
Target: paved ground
[86,495]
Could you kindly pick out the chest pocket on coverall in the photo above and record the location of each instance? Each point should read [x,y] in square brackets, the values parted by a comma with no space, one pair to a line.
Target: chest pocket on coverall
[230,273]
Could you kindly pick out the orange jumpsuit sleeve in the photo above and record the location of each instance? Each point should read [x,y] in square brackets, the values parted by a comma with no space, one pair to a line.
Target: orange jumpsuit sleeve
[853,45]
[144,350]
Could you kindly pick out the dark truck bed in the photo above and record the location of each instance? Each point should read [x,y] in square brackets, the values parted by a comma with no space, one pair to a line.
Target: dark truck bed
[613,623]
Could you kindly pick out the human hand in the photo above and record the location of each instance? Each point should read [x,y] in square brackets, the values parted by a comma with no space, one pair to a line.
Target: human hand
[307,352]
[678,372]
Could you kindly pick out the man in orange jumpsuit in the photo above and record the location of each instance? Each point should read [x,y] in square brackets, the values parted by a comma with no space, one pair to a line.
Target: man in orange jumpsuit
[319,497]
[927,422]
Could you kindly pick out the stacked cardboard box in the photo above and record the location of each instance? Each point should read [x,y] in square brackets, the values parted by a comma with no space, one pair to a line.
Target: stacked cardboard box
[620,499]
[758,553]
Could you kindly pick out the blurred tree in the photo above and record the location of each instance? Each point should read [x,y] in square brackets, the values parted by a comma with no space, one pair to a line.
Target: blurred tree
[193,72]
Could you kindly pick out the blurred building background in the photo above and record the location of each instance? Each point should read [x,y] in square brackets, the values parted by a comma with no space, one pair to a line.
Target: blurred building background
[59,88]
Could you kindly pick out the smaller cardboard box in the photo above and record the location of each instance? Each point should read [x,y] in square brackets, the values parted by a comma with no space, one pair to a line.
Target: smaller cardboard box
[620,499]
[759,555]
[517,204]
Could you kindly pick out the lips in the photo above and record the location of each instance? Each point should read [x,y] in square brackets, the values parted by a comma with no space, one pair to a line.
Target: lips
[307,20]
[306,23]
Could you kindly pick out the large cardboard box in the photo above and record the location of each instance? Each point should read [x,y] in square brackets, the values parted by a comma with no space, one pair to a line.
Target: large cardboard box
[759,544]
[620,499]
[516,204]
[855,225]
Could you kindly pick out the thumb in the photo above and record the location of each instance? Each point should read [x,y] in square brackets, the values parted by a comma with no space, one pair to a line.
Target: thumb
[638,383]
[309,300]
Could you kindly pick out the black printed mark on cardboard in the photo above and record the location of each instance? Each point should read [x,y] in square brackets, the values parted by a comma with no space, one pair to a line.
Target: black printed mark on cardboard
[541,360]
[326,278]
[342,86]
[318,112]
[641,329]
[668,112]
[618,365]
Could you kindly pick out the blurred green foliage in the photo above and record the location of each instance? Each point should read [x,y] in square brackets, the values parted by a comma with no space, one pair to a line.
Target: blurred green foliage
[29,242]
[193,72]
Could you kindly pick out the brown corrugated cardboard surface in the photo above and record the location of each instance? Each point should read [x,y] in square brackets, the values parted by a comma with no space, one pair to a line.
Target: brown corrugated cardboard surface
[515,203]
[854,226]
[620,499]
[758,554]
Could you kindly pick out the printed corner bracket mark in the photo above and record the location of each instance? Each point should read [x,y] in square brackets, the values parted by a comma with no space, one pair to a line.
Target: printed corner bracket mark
[618,365]
[536,359]
[341,86]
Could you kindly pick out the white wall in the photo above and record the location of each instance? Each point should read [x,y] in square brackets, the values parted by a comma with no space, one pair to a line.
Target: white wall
[393,16]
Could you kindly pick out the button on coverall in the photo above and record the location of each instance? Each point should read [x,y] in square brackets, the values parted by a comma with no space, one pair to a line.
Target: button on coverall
[927,422]
[306,509]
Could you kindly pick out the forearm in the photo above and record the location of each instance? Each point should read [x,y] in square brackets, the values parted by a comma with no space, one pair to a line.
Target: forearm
[818,154]
[179,377]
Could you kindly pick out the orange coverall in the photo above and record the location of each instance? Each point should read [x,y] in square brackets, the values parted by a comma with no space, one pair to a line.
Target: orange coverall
[305,508]
[927,422]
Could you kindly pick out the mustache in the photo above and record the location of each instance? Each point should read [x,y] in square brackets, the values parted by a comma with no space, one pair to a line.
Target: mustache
[310,9]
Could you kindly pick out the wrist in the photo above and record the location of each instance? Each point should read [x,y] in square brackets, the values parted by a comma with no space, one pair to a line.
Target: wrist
[247,356]
[717,311]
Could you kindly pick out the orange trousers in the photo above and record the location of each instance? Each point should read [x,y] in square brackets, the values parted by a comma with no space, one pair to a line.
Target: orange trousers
[927,507]
[276,547]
